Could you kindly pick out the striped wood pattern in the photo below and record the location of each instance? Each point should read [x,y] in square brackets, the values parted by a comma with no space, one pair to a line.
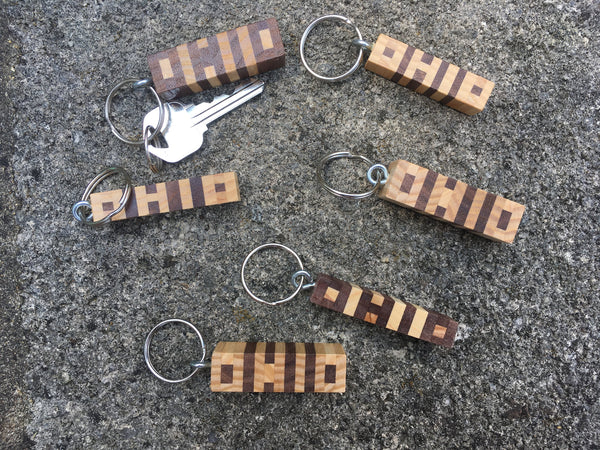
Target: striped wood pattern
[157,198]
[278,367]
[452,201]
[384,311]
[428,75]
[209,62]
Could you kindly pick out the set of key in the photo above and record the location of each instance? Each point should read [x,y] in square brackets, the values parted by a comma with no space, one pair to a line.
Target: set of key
[185,124]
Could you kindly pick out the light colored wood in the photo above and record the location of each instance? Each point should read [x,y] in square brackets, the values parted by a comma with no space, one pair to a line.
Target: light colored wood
[278,367]
[428,75]
[157,198]
[452,201]
[224,58]
[385,311]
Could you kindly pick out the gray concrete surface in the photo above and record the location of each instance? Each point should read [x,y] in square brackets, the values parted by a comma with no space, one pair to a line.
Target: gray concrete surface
[77,303]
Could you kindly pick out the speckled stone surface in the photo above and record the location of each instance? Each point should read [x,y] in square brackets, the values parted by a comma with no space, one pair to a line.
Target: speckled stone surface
[78,302]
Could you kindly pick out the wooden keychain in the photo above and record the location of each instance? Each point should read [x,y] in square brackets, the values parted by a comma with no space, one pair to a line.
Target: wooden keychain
[264,366]
[435,195]
[194,67]
[364,304]
[413,68]
[100,208]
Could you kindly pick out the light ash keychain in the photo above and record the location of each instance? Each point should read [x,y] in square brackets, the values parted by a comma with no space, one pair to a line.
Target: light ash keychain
[413,68]
[264,366]
[193,67]
[364,304]
[437,196]
[100,208]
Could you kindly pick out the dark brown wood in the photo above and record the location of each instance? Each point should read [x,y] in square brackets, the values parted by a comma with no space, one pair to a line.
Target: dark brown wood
[384,311]
[224,58]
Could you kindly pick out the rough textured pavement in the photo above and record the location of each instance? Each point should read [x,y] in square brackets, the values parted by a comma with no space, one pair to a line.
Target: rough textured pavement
[77,303]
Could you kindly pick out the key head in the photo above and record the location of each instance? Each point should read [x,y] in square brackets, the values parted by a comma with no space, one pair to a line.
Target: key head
[182,135]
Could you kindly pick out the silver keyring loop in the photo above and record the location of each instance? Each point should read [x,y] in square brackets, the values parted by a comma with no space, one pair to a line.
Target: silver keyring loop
[338,155]
[136,84]
[255,297]
[310,27]
[154,162]
[197,365]
[382,174]
[84,203]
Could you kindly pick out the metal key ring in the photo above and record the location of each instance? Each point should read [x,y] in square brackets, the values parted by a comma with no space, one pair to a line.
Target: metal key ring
[154,162]
[197,365]
[381,175]
[84,202]
[136,84]
[299,286]
[358,42]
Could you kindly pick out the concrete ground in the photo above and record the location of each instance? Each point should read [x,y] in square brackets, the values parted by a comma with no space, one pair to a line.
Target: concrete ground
[77,303]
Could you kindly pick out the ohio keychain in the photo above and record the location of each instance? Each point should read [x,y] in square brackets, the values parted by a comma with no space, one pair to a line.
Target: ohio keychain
[364,304]
[435,195]
[413,68]
[264,366]
[100,208]
[194,67]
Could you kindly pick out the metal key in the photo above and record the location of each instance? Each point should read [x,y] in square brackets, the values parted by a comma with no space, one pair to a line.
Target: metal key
[184,127]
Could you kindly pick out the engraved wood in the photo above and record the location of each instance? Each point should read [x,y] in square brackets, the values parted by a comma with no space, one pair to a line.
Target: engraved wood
[428,75]
[157,198]
[209,62]
[452,201]
[384,311]
[278,367]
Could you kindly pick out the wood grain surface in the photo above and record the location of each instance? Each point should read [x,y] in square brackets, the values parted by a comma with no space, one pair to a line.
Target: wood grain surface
[224,58]
[428,75]
[384,311]
[452,201]
[157,198]
[278,367]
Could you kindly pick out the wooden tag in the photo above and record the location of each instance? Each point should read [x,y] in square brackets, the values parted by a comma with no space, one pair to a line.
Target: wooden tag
[157,198]
[428,75]
[384,311]
[278,367]
[452,201]
[210,62]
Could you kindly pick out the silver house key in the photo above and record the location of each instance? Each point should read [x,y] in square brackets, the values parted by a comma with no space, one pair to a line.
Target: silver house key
[184,125]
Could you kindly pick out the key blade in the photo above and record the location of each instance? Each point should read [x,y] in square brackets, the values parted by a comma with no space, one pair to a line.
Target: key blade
[221,107]
[196,110]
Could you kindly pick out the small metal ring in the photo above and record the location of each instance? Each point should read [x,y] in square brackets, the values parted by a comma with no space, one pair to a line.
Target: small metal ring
[303,43]
[197,365]
[255,297]
[75,210]
[327,159]
[137,84]
[382,174]
[90,188]
[363,44]
[303,274]
[154,162]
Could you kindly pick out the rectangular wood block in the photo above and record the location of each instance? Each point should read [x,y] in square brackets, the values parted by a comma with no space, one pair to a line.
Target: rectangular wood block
[384,311]
[452,201]
[428,75]
[278,367]
[157,198]
[209,62]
